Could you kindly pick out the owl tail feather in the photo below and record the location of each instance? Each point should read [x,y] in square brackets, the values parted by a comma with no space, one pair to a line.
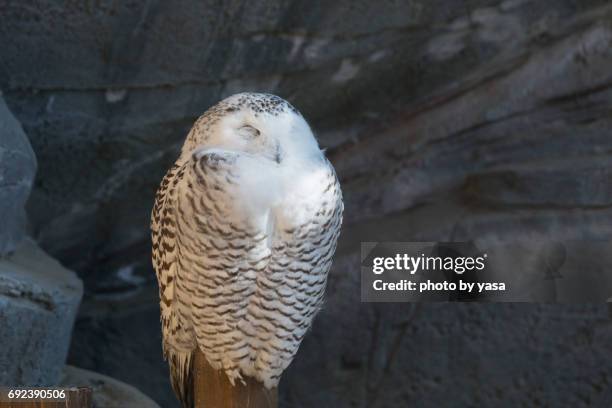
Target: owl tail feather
[181,375]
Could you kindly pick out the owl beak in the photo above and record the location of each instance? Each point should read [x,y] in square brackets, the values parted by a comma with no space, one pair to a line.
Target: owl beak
[277,153]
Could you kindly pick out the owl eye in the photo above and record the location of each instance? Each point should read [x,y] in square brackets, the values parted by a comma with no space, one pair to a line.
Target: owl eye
[248,132]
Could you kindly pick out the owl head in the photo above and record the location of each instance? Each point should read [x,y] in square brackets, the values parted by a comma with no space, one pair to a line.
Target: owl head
[257,124]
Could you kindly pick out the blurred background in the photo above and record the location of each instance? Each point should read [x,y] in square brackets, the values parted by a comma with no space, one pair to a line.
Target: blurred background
[445,120]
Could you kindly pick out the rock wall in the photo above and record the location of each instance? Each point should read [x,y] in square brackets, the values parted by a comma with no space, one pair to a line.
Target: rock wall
[38,297]
[107,91]
[17,170]
[480,119]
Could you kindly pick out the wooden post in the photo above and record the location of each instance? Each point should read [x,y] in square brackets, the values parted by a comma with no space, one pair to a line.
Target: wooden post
[212,389]
[80,397]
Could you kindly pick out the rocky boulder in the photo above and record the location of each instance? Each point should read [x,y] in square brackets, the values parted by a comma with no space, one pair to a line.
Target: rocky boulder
[17,170]
[38,303]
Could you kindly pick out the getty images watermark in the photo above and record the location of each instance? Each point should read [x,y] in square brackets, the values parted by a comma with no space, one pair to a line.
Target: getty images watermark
[413,264]
[416,271]
[534,271]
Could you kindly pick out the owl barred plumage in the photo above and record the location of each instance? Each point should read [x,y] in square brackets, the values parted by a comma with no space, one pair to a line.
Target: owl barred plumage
[244,228]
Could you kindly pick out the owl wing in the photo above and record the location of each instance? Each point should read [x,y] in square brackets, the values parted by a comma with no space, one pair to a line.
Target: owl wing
[177,339]
[206,254]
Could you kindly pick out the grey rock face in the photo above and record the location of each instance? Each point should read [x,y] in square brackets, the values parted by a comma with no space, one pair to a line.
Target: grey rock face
[449,354]
[105,134]
[527,130]
[17,170]
[38,303]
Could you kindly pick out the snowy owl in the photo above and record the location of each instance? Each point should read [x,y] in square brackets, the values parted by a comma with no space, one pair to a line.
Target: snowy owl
[244,228]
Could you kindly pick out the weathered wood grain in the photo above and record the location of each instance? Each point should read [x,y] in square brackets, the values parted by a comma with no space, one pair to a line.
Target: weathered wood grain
[213,389]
